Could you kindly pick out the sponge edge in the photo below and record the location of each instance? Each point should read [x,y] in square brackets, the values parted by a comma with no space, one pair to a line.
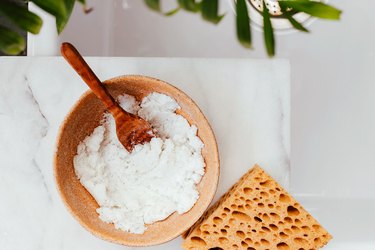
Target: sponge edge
[256,213]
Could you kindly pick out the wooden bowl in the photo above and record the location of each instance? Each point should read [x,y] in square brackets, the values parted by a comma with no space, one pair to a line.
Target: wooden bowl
[84,118]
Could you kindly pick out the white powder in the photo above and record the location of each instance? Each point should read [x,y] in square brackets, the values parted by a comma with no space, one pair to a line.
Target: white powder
[152,182]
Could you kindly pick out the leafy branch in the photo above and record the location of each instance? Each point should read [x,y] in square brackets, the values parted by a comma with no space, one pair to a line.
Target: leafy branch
[11,42]
[209,12]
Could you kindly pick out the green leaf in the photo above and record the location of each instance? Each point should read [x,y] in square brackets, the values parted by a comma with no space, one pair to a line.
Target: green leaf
[210,11]
[11,43]
[54,7]
[189,5]
[171,12]
[21,16]
[269,38]
[243,24]
[61,9]
[61,21]
[297,25]
[317,9]
[155,5]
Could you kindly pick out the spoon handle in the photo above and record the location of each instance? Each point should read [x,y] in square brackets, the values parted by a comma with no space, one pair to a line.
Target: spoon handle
[74,58]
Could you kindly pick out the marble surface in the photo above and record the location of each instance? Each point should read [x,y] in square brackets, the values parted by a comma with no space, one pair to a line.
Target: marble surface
[246,102]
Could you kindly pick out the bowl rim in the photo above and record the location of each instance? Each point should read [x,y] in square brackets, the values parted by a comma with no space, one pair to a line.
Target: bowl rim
[97,233]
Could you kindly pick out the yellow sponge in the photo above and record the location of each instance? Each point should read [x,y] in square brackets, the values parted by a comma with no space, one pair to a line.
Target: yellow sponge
[256,213]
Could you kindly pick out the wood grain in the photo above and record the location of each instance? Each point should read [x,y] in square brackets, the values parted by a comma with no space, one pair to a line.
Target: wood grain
[131,129]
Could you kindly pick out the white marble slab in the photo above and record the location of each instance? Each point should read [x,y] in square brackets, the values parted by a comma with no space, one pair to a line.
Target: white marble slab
[247,103]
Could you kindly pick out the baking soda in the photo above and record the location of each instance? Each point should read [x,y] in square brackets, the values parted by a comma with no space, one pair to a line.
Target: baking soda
[154,180]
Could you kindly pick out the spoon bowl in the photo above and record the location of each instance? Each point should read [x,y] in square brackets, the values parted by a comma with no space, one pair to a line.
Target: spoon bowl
[84,117]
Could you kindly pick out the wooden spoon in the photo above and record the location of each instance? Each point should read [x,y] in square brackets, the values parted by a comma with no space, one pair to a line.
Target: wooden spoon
[131,129]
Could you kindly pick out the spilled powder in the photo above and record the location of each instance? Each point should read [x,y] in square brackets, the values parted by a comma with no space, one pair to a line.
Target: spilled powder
[155,180]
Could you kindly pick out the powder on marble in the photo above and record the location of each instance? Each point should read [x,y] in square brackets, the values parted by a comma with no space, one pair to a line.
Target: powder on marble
[154,180]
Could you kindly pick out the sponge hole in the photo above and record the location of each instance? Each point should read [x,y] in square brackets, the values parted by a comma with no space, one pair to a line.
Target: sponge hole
[317,241]
[275,216]
[223,240]
[273,227]
[265,217]
[243,244]
[292,211]
[266,183]
[283,235]
[240,234]
[256,218]
[264,242]
[223,231]
[288,220]
[316,227]
[284,198]
[282,246]
[264,194]
[306,229]
[198,241]
[217,220]
[295,229]
[248,241]
[297,222]
[241,216]
[247,190]
[300,241]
